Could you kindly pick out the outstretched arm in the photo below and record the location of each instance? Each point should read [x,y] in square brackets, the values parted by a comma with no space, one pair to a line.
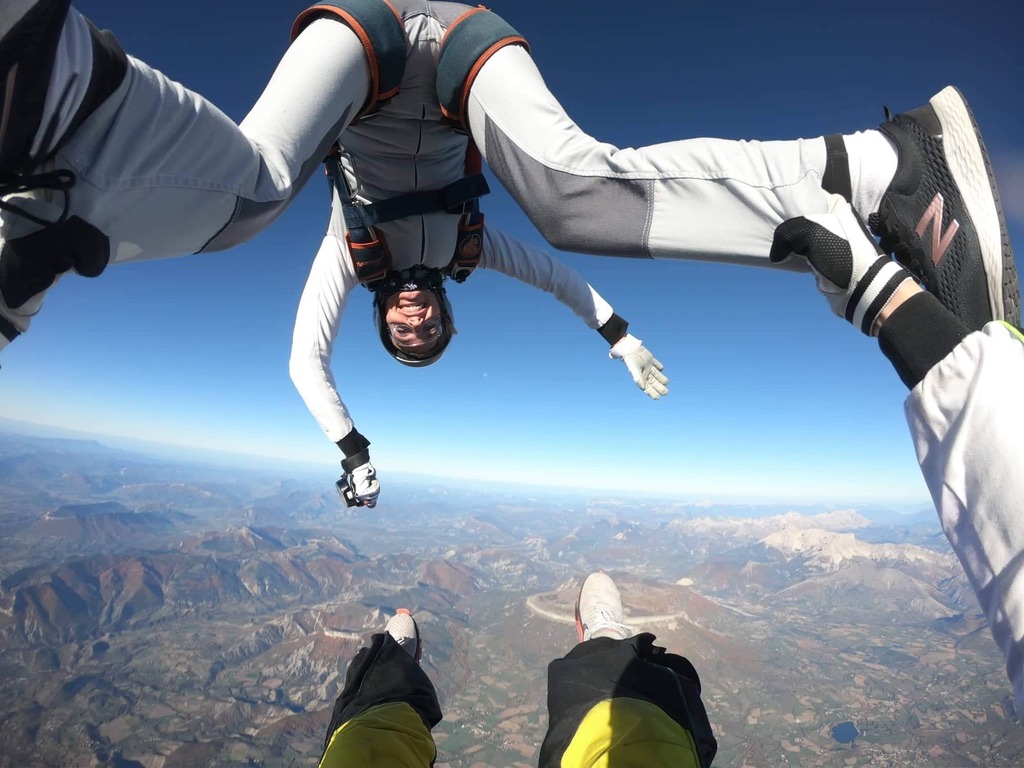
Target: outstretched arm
[965,412]
[536,267]
[317,322]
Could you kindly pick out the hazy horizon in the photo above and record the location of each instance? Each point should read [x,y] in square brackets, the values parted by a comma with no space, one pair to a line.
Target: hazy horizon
[313,472]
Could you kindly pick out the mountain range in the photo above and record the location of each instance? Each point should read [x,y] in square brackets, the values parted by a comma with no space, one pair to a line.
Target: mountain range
[159,613]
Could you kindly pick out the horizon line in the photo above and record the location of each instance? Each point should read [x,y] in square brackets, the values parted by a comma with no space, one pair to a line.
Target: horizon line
[311,466]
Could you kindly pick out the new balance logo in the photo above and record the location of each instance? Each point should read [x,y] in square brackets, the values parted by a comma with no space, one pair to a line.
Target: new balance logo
[933,215]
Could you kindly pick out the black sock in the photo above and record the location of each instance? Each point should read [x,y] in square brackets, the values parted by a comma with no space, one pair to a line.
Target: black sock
[919,334]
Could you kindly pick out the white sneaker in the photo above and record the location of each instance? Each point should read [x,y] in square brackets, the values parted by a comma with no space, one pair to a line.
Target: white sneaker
[599,609]
[402,627]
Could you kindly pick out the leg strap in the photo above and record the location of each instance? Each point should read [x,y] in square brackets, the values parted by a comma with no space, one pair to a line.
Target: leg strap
[29,34]
[836,180]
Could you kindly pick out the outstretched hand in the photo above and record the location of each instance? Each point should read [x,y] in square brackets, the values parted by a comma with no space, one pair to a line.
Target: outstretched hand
[359,488]
[644,367]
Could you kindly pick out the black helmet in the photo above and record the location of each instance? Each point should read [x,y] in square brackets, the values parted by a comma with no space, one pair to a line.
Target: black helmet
[414,279]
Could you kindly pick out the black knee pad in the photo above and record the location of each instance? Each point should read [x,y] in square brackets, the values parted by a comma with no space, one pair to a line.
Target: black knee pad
[29,265]
[469,42]
[382,33]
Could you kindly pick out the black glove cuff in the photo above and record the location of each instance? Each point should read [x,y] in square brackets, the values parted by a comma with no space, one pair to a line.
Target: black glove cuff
[918,335]
[353,443]
[355,461]
[613,330]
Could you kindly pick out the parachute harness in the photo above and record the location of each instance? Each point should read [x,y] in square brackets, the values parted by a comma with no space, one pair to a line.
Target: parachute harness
[371,258]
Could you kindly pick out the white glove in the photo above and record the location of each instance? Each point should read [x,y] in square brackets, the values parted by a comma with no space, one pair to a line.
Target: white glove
[362,486]
[643,366]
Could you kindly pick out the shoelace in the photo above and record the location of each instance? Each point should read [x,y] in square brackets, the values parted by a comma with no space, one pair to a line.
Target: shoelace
[891,244]
[59,181]
[605,620]
[888,238]
[406,641]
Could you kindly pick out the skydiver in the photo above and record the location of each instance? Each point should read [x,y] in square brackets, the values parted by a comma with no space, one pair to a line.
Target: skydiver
[614,699]
[413,318]
[965,412]
[364,74]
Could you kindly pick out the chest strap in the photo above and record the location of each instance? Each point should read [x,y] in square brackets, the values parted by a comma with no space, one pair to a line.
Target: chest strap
[451,199]
[371,259]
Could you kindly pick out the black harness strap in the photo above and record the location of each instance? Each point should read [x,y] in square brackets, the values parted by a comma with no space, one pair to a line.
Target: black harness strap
[109,66]
[836,179]
[450,199]
[371,259]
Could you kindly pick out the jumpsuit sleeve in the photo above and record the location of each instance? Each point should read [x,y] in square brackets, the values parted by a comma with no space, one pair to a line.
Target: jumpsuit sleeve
[966,418]
[538,268]
[317,321]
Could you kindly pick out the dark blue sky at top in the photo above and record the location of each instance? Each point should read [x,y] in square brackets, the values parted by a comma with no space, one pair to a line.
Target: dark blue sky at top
[763,377]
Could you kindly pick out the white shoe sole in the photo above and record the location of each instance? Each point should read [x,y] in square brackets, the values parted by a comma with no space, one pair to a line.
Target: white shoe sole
[968,162]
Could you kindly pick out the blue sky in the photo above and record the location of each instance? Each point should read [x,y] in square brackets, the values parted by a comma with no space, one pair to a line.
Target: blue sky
[771,396]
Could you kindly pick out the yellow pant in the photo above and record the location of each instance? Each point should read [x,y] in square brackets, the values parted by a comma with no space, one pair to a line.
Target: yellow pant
[624,733]
[621,703]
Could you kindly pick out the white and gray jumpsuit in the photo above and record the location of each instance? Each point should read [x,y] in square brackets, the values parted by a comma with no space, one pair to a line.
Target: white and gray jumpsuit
[406,145]
[332,281]
[194,181]
[966,418]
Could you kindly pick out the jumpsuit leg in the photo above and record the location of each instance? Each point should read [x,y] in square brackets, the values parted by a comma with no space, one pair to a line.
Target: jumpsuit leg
[966,419]
[706,199]
[625,703]
[159,171]
[385,712]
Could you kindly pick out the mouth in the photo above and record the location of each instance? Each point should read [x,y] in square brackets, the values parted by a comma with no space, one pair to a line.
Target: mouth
[411,299]
[410,306]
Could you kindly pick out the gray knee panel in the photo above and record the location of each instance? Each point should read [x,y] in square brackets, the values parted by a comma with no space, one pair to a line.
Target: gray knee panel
[470,41]
[380,29]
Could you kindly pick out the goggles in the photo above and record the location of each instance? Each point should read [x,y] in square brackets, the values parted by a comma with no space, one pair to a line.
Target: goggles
[408,336]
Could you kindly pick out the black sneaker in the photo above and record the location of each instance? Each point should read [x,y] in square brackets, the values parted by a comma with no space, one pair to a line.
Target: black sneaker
[941,216]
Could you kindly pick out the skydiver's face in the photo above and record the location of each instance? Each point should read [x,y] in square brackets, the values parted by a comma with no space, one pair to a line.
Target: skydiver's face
[414,320]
